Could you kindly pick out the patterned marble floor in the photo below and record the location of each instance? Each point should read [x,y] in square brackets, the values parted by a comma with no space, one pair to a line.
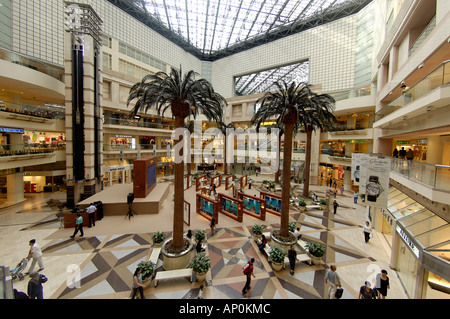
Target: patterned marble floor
[102,266]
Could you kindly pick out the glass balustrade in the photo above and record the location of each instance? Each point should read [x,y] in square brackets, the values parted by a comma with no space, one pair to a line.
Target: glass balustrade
[17,58]
[438,77]
[137,123]
[39,111]
[436,176]
[28,149]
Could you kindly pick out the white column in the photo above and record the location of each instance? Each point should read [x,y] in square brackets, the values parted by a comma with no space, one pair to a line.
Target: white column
[14,184]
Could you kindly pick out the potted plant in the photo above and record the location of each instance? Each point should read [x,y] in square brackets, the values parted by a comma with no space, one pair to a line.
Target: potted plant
[147,269]
[323,203]
[302,204]
[200,265]
[257,231]
[158,238]
[199,235]
[315,251]
[291,227]
[276,256]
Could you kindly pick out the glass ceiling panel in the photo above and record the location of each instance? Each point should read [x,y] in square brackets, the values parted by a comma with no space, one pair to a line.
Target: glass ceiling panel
[214,25]
[263,81]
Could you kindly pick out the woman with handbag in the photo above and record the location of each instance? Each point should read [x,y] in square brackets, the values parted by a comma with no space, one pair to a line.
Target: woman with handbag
[332,278]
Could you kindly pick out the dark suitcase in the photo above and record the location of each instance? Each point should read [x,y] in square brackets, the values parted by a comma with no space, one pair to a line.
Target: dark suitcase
[339,293]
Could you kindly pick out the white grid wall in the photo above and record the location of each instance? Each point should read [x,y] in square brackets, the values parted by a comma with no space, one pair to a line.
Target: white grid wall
[330,49]
[37,29]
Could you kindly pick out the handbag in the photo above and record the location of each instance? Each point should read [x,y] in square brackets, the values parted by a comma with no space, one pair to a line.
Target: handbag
[339,292]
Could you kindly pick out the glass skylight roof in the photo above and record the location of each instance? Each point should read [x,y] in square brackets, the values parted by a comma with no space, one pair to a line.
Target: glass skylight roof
[213,26]
[264,81]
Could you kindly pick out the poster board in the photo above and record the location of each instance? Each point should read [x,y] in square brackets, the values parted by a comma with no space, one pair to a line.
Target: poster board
[200,181]
[253,205]
[144,176]
[228,181]
[187,181]
[216,180]
[187,213]
[273,202]
[231,207]
[207,207]
[243,180]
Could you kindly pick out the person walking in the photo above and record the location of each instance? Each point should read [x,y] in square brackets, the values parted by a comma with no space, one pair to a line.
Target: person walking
[34,288]
[292,255]
[366,292]
[78,226]
[250,183]
[35,253]
[367,232]
[91,213]
[335,206]
[382,284]
[395,154]
[334,192]
[248,271]
[200,292]
[137,284]
[355,197]
[332,278]
[213,226]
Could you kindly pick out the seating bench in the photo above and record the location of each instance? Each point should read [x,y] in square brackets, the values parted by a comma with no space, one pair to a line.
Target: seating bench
[177,273]
[154,257]
[312,206]
[302,244]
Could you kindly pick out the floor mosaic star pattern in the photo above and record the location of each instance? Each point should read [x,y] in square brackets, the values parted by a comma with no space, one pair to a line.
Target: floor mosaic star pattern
[108,272]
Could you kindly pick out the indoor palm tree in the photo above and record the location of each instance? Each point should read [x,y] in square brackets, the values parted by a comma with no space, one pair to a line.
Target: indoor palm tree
[290,105]
[223,128]
[184,96]
[319,115]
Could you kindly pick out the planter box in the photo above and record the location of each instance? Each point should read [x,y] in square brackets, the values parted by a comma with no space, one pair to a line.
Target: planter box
[181,261]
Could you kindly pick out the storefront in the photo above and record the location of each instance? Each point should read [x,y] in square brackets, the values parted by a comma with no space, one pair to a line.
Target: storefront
[115,172]
[418,146]
[420,242]
[35,139]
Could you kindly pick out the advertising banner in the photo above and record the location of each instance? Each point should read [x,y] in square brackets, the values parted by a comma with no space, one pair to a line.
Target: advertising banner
[377,182]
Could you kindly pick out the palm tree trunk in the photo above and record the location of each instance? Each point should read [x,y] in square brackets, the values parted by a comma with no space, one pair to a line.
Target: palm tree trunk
[225,166]
[277,174]
[307,167]
[178,205]
[287,155]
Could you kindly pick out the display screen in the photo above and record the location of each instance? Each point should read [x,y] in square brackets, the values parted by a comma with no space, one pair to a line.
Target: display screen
[273,204]
[151,176]
[230,206]
[252,205]
[206,207]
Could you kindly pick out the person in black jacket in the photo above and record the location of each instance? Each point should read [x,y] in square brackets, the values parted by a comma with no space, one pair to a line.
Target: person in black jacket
[35,289]
[292,255]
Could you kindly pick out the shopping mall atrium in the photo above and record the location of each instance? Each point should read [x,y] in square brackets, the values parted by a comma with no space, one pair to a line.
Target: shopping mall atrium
[82,121]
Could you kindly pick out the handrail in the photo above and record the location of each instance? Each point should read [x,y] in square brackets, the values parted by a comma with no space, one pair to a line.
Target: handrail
[33,63]
[407,95]
[435,175]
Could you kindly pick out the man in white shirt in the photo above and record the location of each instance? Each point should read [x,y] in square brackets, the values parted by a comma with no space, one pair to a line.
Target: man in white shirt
[35,253]
[91,211]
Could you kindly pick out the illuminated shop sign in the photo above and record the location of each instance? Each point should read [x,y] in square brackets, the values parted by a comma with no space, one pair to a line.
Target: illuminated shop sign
[11,130]
[408,241]
[402,142]
[356,141]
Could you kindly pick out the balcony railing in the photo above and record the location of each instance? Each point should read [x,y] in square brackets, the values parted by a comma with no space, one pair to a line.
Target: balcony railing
[28,149]
[131,147]
[32,63]
[438,77]
[136,123]
[436,176]
[38,111]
